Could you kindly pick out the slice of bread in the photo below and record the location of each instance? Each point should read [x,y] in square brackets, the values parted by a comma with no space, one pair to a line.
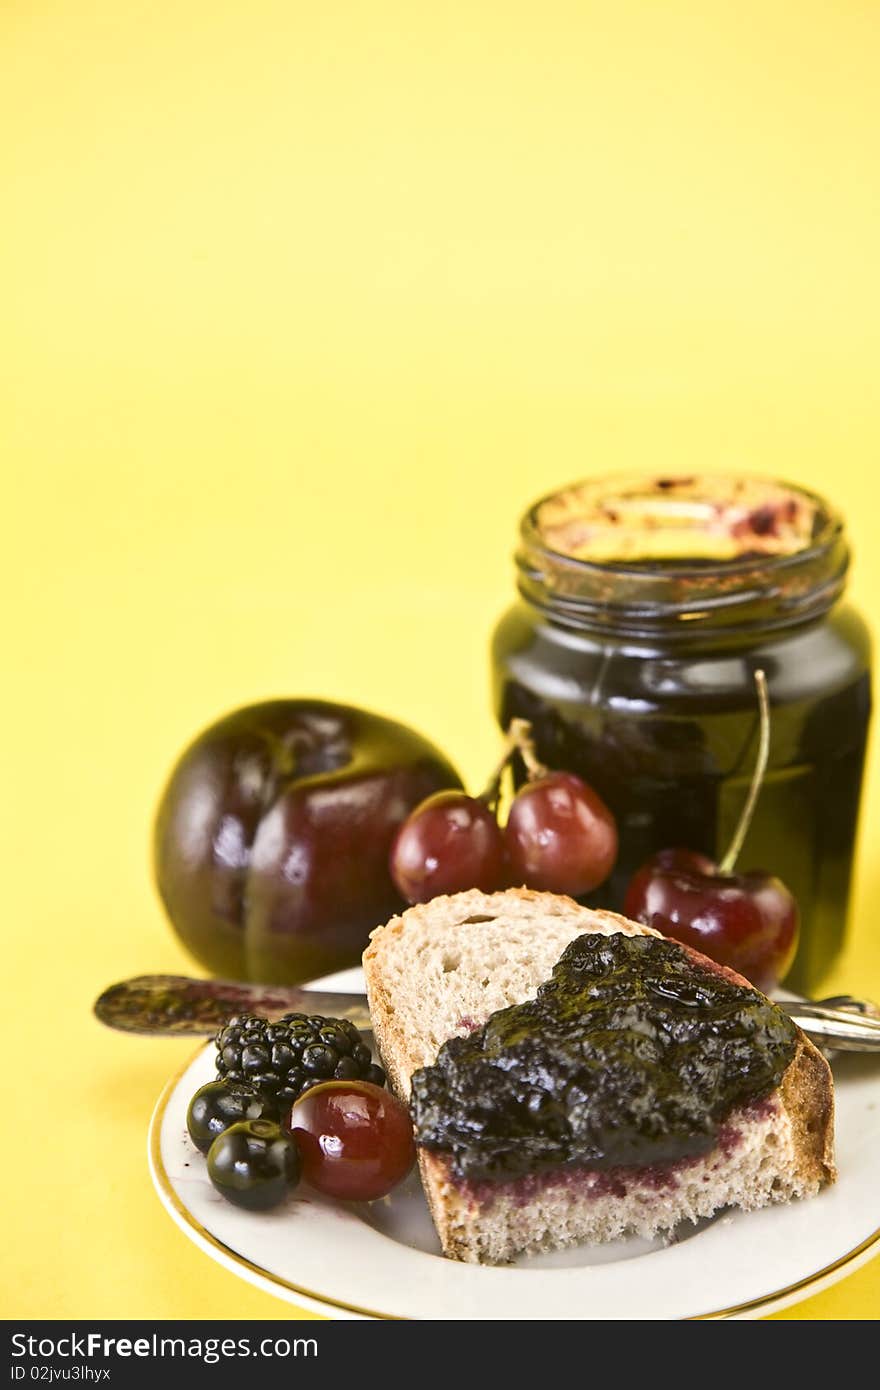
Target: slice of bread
[440,969]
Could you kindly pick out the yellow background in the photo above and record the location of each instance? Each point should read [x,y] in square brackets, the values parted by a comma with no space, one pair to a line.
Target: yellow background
[300,305]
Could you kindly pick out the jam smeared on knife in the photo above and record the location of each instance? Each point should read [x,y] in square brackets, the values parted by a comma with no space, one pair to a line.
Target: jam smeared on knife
[632,1053]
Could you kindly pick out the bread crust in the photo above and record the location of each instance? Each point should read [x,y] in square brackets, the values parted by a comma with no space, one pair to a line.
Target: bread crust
[471,1226]
[807,1092]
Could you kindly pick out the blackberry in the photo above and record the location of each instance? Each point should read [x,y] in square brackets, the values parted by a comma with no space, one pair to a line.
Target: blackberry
[284,1059]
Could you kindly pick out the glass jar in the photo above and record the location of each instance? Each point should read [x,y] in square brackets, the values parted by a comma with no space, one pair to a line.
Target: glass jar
[646,607]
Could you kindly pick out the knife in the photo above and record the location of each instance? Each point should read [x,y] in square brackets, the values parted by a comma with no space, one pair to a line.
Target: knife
[176,1006]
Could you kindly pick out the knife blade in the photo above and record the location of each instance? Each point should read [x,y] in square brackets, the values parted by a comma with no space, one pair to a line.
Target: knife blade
[175,1006]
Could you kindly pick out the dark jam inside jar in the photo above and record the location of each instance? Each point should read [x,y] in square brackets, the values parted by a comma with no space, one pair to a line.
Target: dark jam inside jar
[646,607]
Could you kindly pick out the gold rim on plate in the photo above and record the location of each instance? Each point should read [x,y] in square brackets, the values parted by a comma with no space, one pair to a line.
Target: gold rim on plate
[164,1182]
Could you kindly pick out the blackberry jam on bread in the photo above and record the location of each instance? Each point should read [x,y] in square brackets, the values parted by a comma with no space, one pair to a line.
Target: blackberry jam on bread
[574,1076]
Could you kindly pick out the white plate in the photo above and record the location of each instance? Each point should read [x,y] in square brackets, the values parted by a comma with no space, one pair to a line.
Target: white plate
[383,1260]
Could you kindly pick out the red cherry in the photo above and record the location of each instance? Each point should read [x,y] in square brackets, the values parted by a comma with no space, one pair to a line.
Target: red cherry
[449,843]
[560,836]
[677,861]
[746,921]
[355,1140]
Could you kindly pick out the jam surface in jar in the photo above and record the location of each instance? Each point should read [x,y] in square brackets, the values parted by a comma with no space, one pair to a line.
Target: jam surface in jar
[647,606]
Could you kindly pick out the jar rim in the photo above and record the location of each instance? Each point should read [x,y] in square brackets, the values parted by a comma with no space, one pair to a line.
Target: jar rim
[751,590]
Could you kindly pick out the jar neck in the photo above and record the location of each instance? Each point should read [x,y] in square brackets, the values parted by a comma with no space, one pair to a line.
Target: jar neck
[692,603]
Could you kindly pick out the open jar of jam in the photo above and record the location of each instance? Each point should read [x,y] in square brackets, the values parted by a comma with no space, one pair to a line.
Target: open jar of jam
[646,607]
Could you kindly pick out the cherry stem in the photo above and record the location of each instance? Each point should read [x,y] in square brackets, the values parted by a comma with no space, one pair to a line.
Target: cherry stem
[520,731]
[729,861]
[518,740]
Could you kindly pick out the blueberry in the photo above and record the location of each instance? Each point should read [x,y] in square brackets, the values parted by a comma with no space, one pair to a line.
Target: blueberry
[217,1106]
[254,1164]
